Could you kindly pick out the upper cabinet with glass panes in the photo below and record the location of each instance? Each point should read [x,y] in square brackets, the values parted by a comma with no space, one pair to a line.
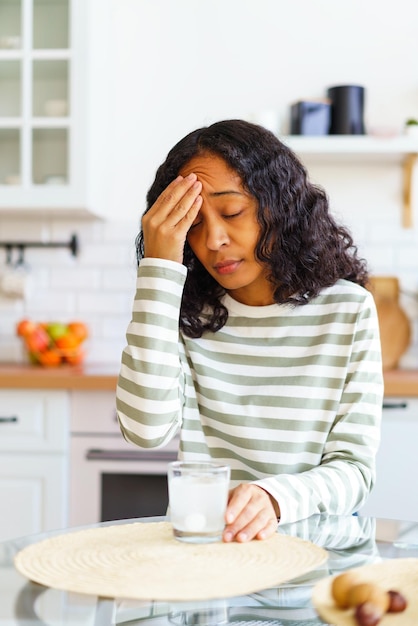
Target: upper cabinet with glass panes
[42,156]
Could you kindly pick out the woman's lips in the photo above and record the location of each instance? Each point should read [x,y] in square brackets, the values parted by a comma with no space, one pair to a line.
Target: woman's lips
[227,267]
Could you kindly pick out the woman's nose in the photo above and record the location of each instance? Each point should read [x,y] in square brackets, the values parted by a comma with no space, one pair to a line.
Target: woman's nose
[216,235]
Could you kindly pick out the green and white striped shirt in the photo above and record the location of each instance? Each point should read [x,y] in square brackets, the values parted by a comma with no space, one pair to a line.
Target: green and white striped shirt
[289,396]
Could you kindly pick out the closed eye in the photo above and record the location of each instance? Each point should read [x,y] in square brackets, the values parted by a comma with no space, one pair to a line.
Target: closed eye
[226,217]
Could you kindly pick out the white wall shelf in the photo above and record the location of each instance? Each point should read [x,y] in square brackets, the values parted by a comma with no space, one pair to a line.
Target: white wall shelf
[371,147]
[337,149]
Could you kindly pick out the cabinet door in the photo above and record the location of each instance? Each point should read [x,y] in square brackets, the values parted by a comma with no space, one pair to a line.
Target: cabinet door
[42,65]
[34,457]
[33,491]
[394,495]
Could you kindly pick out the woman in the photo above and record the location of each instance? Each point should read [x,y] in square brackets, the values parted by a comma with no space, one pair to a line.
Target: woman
[252,331]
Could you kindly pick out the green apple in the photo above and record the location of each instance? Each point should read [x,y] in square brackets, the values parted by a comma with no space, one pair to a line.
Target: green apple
[56,330]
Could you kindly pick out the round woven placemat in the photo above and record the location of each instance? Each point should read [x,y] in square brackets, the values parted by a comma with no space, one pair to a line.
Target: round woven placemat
[144,561]
[398,574]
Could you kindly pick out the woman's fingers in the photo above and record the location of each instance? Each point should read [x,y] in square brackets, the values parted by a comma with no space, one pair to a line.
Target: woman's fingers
[268,530]
[250,514]
[166,224]
[175,200]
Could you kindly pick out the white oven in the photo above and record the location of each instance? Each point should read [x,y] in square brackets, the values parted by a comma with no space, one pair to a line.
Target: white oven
[110,478]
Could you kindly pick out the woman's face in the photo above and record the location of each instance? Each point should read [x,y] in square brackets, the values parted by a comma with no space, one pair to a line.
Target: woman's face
[225,233]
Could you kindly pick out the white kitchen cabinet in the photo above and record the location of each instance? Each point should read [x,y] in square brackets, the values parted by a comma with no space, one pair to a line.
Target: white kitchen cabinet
[34,459]
[45,90]
[395,494]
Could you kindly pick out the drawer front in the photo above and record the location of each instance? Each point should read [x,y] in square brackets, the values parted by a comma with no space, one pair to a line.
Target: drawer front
[94,412]
[402,409]
[34,420]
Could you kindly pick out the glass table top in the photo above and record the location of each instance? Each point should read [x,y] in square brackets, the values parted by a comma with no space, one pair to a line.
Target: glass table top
[350,541]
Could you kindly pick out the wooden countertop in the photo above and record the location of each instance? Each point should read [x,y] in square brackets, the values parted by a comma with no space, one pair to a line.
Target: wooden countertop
[400,382]
[88,377]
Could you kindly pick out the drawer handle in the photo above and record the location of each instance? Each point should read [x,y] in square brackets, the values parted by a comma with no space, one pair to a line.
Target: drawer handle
[395,405]
[96,454]
[8,420]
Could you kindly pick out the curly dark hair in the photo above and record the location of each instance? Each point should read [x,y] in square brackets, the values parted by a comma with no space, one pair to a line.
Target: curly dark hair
[300,242]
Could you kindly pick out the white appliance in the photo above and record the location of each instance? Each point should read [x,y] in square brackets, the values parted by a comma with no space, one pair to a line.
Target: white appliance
[110,478]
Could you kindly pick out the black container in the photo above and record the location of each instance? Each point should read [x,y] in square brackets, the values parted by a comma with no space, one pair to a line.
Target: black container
[347,109]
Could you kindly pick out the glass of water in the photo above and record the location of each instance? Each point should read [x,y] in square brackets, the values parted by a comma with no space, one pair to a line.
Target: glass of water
[198,495]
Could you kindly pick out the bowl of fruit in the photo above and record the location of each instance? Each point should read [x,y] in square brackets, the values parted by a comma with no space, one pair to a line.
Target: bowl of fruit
[53,343]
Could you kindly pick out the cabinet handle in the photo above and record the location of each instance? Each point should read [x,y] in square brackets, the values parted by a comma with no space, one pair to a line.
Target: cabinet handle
[8,420]
[94,454]
[395,405]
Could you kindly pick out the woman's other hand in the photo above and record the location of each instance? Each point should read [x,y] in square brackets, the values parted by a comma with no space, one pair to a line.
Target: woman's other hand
[167,222]
[251,514]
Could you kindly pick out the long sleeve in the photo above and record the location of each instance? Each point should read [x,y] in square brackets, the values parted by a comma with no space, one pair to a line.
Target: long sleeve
[149,393]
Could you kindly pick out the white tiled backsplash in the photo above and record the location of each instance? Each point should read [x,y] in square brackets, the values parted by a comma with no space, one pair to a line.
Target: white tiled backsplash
[97,286]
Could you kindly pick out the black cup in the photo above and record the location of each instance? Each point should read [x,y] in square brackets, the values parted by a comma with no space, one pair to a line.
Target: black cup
[347,108]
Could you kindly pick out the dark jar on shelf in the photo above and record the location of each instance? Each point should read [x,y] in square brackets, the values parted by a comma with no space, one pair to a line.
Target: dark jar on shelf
[347,110]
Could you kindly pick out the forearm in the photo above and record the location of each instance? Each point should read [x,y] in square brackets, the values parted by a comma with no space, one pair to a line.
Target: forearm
[149,388]
[341,483]
[337,488]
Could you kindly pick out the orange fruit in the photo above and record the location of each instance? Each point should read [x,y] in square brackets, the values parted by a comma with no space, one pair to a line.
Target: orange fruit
[49,358]
[79,329]
[75,358]
[25,327]
[67,342]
